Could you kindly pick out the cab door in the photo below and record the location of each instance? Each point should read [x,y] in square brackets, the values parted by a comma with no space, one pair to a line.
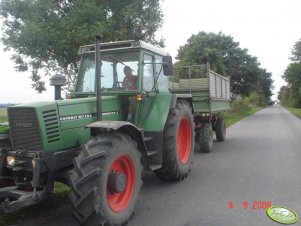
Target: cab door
[147,87]
[155,94]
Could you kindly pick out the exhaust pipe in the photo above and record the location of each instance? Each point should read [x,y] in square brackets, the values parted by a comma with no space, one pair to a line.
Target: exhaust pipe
[98,79]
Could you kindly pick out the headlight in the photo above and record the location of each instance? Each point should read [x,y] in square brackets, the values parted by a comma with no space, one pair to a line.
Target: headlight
[10,160]
[33,163]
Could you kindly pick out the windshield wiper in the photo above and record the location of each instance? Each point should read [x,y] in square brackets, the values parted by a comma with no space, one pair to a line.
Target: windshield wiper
[114,58]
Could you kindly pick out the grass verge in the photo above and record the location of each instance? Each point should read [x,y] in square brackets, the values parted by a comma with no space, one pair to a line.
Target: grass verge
[295,111]
[232,117]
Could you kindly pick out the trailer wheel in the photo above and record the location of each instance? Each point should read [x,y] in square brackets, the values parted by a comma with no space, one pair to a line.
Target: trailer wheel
[206,137]
[220,130]
[106,180]
[178,142]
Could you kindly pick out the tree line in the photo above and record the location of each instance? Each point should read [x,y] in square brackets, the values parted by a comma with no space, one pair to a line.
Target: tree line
[45,36]
[290,94]
[226,57]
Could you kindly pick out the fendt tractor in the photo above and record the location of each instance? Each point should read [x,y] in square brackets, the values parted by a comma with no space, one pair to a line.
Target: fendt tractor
[124,117]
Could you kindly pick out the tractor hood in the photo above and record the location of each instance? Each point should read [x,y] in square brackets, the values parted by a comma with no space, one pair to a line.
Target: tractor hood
[57,125]
[76,113]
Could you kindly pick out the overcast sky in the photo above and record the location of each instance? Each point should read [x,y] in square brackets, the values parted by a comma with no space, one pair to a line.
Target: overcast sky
[267,28]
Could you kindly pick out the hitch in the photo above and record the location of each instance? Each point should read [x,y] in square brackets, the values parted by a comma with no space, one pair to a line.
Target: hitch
[14,199]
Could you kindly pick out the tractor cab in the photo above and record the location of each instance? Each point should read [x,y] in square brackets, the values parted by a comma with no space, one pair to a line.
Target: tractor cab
[130,70]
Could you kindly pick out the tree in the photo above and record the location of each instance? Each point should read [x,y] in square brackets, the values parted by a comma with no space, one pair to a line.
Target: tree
[296,52]
[292,76]
[226,57]
[266,84]
[46,34]
[283,95]
[290,95]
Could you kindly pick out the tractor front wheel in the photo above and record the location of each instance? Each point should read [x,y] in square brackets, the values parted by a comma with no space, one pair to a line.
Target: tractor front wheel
[178,143]
[106,180]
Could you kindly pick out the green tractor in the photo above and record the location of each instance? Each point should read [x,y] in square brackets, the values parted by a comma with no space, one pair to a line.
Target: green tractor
[124,117]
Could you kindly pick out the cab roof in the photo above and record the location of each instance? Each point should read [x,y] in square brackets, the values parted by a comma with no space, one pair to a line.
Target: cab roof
[129,44]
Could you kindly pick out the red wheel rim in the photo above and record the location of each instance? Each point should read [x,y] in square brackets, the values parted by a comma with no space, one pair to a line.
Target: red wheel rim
[184,141]
[118,202]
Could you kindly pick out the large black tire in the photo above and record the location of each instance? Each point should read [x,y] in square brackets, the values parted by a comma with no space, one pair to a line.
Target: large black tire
[220,130]
[96,201]
[206,137]
[178,144]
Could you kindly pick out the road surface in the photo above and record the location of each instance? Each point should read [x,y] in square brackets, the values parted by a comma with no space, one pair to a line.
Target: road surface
[259,162]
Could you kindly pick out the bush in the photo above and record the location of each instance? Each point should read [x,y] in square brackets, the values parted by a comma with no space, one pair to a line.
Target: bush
[241,105]
[256,100]
[245,104]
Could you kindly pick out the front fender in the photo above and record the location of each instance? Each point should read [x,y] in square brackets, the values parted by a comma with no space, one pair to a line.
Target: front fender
[123,127]
[114,125]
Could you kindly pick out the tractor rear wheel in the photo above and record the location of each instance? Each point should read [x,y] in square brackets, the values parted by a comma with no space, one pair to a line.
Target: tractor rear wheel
[106,180]
[178,142]
[220,130]
[206,137]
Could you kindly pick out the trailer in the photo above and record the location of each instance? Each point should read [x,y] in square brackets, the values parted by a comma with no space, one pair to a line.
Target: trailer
[210,93]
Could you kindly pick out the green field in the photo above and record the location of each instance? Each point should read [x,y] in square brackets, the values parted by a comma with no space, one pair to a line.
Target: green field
[3,113]
[3,118]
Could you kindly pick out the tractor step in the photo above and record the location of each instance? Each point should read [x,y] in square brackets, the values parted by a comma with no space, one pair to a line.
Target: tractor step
[151,153]
[155,167]
[153,156]
[145,139]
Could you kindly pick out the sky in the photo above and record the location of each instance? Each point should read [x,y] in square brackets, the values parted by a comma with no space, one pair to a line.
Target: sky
[267,28]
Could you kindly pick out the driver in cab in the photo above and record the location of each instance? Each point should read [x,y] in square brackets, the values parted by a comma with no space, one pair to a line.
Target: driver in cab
[130,80]
[130,83]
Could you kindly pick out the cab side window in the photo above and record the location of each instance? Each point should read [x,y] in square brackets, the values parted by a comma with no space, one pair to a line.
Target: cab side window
[163,80]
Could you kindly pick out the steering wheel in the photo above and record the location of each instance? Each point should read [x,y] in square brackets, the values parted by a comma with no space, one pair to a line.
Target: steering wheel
[119,85]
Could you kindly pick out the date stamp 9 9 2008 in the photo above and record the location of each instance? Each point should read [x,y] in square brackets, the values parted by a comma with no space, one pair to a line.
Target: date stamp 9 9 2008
[279,214]
[255,205]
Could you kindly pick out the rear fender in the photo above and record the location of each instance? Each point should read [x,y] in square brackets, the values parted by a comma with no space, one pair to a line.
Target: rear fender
[177,97]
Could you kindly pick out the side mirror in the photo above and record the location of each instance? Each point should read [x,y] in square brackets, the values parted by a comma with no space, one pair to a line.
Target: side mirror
[167,65]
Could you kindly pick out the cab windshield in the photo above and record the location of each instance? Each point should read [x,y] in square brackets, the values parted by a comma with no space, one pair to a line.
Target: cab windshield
[113,67]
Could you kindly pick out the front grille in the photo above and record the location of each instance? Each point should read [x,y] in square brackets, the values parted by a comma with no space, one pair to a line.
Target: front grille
[24,129]
[52,125]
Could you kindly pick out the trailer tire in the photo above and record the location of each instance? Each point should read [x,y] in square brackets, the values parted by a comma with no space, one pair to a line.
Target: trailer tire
[106,180]
[220,130]
[178,143]
[206,137]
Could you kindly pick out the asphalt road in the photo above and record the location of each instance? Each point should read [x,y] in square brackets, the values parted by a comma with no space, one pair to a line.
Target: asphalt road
[259,162]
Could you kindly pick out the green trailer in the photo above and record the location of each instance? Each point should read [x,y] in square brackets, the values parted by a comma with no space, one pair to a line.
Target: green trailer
[210,91]
[210,94]
[124,117]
